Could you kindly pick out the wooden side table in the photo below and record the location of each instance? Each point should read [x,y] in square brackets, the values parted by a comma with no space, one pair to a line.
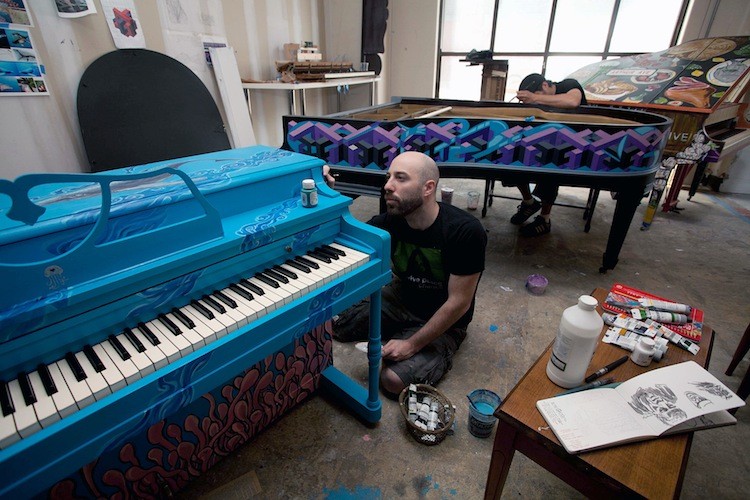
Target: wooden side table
[622,471]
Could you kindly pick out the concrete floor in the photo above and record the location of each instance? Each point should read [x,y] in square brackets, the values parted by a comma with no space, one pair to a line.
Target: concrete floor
[699,256]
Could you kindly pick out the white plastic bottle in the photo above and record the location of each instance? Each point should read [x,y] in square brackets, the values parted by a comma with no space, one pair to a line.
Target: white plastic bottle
[575,343]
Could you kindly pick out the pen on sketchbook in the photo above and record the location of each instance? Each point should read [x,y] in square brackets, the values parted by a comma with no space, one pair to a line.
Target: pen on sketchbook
[592,385]
[601,371]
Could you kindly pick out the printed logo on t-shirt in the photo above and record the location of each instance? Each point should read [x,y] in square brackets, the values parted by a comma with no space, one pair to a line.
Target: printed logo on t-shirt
[419,267]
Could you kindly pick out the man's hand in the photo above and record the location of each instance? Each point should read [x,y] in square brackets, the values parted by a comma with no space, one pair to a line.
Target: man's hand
[527,97]
[398,350]
[328,177]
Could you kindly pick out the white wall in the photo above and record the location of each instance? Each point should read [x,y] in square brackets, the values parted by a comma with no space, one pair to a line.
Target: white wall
[45,137]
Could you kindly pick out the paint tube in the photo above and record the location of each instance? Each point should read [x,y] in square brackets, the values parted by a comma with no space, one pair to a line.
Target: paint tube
[673,337]
[663,305]
[628,323]
[628,340]
[660,316]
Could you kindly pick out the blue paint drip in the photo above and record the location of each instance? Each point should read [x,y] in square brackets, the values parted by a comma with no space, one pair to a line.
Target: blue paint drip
[493,328]
[358,493]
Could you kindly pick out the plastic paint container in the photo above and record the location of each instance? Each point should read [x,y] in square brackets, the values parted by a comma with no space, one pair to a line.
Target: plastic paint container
[536,284]
[481,418]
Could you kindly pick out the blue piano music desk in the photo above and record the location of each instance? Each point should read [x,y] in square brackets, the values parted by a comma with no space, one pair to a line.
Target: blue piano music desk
[85,256]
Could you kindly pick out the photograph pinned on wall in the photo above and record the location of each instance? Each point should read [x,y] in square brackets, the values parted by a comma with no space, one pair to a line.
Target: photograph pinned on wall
[21,73]
[124,24]
[14,12]
[75,8]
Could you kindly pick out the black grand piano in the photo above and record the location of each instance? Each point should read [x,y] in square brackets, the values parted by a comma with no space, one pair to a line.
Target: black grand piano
[610,149]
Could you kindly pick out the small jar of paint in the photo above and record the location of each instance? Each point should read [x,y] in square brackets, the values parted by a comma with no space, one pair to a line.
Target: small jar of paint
[309,193]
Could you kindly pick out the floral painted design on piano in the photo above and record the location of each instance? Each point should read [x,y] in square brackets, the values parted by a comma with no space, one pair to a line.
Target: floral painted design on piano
[260,232]
[180,447]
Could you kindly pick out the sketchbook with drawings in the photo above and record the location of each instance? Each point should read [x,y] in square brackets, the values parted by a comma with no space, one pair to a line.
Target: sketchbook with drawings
[678,398]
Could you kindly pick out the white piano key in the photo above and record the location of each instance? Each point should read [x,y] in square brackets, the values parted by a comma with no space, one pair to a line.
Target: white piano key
[8,432]
[230,324]
[46,412]
[306,284]
[203,330]
[24,416]
[126,366]
[277,296]
[195,339]
[247,307]
[95,380]
[181,343]
[112,375]
[79,389]
[294,289]
[264,304]
[63,398]
[217,328]
[142,362]
[350,252]
[152,352]
[168,348]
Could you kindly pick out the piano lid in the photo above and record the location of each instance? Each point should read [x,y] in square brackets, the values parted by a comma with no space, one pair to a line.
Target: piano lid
[694,76]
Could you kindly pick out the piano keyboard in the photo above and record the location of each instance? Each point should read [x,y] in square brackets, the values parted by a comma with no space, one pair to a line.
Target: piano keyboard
[38,399]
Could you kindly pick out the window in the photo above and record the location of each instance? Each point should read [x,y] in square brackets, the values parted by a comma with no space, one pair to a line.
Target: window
[552,37]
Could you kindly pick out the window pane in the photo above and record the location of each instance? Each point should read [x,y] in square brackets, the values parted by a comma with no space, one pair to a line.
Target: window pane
[654,31]
[518,68]
[522,25]
[582,25]
[467,25]
[559,67]
[459,80]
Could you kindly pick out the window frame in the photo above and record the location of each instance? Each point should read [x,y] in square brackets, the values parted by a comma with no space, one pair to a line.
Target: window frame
[546,54]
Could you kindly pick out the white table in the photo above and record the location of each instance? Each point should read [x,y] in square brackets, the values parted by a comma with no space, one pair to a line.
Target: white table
[297,103]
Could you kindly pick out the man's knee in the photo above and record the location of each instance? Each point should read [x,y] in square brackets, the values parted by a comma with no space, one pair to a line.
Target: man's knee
[391,383]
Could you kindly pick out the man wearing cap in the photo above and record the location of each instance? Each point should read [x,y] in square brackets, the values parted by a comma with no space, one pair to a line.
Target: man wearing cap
[535,89]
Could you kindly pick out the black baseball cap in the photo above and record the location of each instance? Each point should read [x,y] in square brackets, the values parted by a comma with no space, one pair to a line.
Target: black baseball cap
[532,83]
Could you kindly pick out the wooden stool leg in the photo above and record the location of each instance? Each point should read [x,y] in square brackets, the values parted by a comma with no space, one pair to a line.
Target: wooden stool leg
[744,390]
[742,349]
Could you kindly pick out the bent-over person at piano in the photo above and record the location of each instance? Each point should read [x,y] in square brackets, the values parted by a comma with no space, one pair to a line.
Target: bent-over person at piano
[535,89]
[437,258]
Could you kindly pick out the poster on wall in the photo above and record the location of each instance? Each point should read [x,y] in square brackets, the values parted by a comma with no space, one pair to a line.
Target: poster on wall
[75,8]
[21,73]
[124,24]
[14,12]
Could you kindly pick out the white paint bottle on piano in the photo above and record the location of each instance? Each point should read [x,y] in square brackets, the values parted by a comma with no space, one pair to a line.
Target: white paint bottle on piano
[309,193]
[575,343]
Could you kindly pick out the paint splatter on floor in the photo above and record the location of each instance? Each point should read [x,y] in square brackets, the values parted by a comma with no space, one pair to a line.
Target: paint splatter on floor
[493,328]
[357,493]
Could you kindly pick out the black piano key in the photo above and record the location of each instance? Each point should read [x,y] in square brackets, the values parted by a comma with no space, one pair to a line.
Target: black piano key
[317,255]
[88,351]
[29,397]
[183,318]
[6,403]
[169,324]
[268,281]
[327,253]
[286,272]
[75,367]
[335,250]
[252,287]
[146,331]
[227,300]
[241,292]
[298,265]
[276,276]
[307,262]
[216,306]
[134,340]
[205,311]
[117,346]
[49,384]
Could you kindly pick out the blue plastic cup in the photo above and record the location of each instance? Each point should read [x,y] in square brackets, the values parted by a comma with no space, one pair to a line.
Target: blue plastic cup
[481,412]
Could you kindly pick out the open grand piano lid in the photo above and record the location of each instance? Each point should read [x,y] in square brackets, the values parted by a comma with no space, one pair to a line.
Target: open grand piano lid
[694,76]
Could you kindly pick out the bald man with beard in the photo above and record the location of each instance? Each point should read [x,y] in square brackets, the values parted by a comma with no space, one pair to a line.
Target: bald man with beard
[437,258]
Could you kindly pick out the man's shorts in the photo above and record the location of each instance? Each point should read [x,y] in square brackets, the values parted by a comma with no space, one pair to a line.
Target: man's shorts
[429,365]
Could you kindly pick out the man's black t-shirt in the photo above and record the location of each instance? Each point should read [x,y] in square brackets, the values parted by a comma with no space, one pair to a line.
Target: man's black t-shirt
[565,86]
[423,260]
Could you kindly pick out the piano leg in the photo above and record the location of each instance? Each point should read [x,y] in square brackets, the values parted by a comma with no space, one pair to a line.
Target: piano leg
[700,169]
[627,202]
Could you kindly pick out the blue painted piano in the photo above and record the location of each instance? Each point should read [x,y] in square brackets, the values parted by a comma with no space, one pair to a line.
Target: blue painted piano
[616,150]
[154,318]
